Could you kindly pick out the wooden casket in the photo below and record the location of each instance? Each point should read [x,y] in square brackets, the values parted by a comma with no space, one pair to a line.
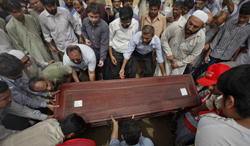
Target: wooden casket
[144,97]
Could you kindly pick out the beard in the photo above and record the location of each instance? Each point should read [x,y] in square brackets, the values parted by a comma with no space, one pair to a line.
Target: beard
[146,43]
[52,12]
[190,33]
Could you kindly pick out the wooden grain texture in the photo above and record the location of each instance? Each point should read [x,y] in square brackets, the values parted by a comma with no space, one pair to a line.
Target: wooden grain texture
[143,97]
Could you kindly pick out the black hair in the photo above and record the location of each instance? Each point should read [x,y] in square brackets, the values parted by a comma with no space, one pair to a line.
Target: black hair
[72,48]
[9,5]
[236,82]
[23,1]
[94,8]
[124,1]
[72,123]
[48,2]
[10,66]
[156,3]
[80,2]
[113,1]
[3,87]
[33,81]
[178,4]
[203,1]
[189,4]
[126,13]
[131,131]
[245,9]
[148,29]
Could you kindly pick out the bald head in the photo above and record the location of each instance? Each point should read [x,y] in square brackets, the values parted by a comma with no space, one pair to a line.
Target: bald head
[210,17]
[219,19]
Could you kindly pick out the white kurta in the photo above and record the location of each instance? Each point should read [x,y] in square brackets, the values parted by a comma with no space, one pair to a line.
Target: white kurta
[183,49]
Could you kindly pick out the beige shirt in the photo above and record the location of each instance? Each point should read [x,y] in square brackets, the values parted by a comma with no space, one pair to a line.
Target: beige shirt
[159,23]
[45,133]
[119,37]
[180,20]
[183,49]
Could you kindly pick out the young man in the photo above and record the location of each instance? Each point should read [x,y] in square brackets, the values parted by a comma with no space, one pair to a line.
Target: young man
[8,106]
[81,57]
[79,7]
[141,46]
[116,5]
[176,16]
[199,5]
[158,21]
[58,24]
[187,123]
[188,5]
[49,132]
[24,6]
[190,40]
[120,32]
[228,41]
[128,3]
[131,134]
[234,130]
[37,9]
[25,32]
[95,31]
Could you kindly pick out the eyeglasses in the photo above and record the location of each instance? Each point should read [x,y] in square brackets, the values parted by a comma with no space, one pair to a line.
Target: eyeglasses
[25,62]
[125,23]
[76,60]
[200,3]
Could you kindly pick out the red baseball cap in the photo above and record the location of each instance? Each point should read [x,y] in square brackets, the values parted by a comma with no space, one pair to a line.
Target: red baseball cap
[212,74]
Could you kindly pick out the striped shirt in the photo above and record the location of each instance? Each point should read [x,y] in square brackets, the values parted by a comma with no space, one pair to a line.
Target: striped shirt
[230,37]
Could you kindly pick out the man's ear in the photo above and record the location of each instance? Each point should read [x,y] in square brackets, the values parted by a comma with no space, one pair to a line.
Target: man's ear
[122,137]
[230,101]
[68,136]
[204,25]
[43,78]
[141,134]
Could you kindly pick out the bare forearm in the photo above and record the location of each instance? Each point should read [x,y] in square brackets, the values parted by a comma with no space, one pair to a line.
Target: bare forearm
[92,76]
[114,134]
[162,68]
[74,75]
[236,54]
[125,61]
[110,51]
[68,79]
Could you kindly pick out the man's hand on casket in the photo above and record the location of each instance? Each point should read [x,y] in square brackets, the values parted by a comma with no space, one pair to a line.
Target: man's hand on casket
[51,107]
[52,94]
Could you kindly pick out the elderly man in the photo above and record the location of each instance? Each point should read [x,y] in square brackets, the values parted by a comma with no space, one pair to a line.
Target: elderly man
[81,57]
[182,43]
[25,32]
[175,16]
[95,31]
[141,46]
[58,24]
[229,40]
[79,7]
[120,32]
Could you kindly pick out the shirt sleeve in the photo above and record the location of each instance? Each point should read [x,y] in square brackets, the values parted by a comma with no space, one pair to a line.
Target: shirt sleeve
[65,69]
[92,63]
[114,142]
[39,62]
[84,30]
[45,30]
[145,141]
[218,36]
[76,26]
[159,55]
[24,111]
[104,46]
[131,46]
[166,35]
[111,33]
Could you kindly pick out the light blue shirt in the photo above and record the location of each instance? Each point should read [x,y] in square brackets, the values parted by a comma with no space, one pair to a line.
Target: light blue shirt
[73,10]
[136,44]
[20,95]
[143,141]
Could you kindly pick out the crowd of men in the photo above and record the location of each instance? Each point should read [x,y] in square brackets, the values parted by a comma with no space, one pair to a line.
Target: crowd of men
[43,44]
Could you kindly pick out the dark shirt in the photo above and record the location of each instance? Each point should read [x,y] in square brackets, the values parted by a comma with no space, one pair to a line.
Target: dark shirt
[98,35]
[104,16]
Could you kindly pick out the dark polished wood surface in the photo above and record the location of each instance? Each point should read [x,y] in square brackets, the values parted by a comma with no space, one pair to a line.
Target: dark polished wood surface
[143,97]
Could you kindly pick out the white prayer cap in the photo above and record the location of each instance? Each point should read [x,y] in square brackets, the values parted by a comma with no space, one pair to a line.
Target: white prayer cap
[17,53]
[201,15]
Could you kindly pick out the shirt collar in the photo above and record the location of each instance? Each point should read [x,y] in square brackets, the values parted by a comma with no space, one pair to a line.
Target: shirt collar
[157,18]
[97,23]
[152,42]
